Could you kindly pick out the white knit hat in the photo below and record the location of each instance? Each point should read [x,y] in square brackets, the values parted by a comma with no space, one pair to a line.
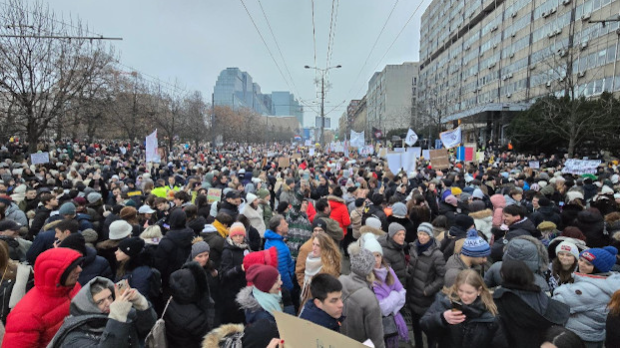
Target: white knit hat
[370,243]
[569,247]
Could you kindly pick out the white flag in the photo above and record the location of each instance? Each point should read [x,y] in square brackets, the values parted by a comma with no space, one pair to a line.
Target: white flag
[152,155]
[412,138]
[451,138]
[357,139]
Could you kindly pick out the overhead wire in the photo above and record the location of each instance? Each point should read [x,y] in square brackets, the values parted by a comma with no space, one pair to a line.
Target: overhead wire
[278,47]
[332,31]
[313,32]
[265,43]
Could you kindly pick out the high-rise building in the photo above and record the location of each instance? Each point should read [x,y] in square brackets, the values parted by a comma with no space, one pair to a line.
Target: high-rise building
[235,88]
[390,96]
[482,60]
[285,104]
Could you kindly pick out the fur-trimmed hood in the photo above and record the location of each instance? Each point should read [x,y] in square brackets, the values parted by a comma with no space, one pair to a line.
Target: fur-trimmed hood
[246,300]
[369,229]
[51,225]
[224,333]
[482,214]
[335,199]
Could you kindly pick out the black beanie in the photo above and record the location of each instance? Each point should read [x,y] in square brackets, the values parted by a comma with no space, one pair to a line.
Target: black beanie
[72,266]
[131,246]
[359,202]
[76,242]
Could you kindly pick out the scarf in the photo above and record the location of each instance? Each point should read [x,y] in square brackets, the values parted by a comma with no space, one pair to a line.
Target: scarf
[240,246]
[313,267]
[221,229]
[269,302]
[423,247]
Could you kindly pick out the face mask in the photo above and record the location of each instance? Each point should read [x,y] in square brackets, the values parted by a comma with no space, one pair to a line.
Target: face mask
[357,184]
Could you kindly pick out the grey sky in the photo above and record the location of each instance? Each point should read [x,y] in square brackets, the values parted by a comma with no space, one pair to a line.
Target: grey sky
[193,40]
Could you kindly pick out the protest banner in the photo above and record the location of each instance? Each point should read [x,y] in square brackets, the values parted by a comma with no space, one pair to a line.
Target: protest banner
[214,195]
[300,333]
[451,138]
[426,154]
[40,158]
[311,151]
[534,164]
[440,159]
[579,167]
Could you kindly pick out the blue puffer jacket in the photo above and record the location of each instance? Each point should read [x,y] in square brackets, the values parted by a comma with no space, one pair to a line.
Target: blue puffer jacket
[588,297]
[94,266]
[44,241]
[286,265]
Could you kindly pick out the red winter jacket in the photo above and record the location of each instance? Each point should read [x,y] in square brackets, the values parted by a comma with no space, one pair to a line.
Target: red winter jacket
[39,314]
[340,212]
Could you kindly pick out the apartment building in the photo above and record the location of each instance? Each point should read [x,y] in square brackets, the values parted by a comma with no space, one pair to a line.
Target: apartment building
[483,60]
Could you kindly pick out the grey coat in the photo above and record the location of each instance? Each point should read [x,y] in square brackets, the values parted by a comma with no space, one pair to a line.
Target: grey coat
[454,266]
[361,310]
[425,277]
[394,255]
[588,297]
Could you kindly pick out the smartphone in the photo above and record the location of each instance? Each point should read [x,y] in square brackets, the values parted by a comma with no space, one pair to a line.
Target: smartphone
[457,306]
[122,285]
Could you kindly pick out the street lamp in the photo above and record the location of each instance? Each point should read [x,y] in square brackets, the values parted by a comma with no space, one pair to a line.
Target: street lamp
[323,72]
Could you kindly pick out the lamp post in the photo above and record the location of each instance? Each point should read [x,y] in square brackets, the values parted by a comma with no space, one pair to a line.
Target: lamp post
[323,72]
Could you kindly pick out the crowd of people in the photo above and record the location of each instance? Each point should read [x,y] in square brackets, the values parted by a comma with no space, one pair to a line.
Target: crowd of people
[97,244]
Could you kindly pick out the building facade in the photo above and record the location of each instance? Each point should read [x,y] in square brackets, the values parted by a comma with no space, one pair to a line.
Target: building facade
[390,97]
[483,60]
[285,104]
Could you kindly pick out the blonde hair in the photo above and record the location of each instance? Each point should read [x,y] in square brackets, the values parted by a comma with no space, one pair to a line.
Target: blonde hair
[330,253]
[473,278]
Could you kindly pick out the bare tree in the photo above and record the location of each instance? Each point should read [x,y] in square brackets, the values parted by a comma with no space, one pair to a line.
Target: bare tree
[40,76]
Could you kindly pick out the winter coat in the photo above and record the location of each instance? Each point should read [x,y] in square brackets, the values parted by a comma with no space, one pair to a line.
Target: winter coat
[232,278]
[394,255]
[44,241]
[547,213]
[13,212]
[139,279]
[13,289]
[372,210]
[315,315]
[593,227]
[454,266]
[189,316]
[256,218]
[299,230]
[356,222]
[41,215]
[107,250]
[479,330]
[216,243]
[499,203]
[339,212]
[449,211]
[229,209]
[174,249]
[267,215]
[526,315]
[483,220]
[612,335]
[88,327]
[361,310]
[253,310]
[425,276]
[40,313]
[286,265]
[94,266]
[588,297]
[411,234]
[447,243]
[287,195]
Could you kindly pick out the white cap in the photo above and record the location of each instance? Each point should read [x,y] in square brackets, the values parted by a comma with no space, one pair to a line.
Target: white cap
[145,209]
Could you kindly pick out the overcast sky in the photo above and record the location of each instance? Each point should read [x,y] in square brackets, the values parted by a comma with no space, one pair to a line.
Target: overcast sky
[191,41]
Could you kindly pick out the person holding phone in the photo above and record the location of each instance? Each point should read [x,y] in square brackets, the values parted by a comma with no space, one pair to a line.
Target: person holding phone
[105,314]
[465,312]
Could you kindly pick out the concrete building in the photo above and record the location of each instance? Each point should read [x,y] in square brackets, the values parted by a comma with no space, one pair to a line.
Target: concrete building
[483,60]
[390,97]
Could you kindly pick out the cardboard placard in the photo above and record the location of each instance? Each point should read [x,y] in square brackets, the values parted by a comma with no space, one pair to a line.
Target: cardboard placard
[284,162]
[40,158]
[300,333]
[214,195]
[440,159]
[296,156]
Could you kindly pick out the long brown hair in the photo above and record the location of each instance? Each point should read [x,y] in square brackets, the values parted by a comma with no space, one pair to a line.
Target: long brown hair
[330,253]
[564,277]
[471,277]
[614,304]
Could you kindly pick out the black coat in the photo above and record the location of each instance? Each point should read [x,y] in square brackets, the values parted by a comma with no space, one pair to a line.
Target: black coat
[449,211]
[425,276]
[190,314]
[547,213]
[233,280]
[41,215]
[197,224]
[174,249]
[592,225]
[526,315]
[93,266]
[481,329]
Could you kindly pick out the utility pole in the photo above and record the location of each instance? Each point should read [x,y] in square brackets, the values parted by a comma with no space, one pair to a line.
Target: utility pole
[322,109]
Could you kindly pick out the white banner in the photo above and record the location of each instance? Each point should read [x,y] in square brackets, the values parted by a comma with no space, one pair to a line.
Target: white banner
[451,138]
[152,155]
[412,138]
[579,167]
[357,139]
[40,158]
